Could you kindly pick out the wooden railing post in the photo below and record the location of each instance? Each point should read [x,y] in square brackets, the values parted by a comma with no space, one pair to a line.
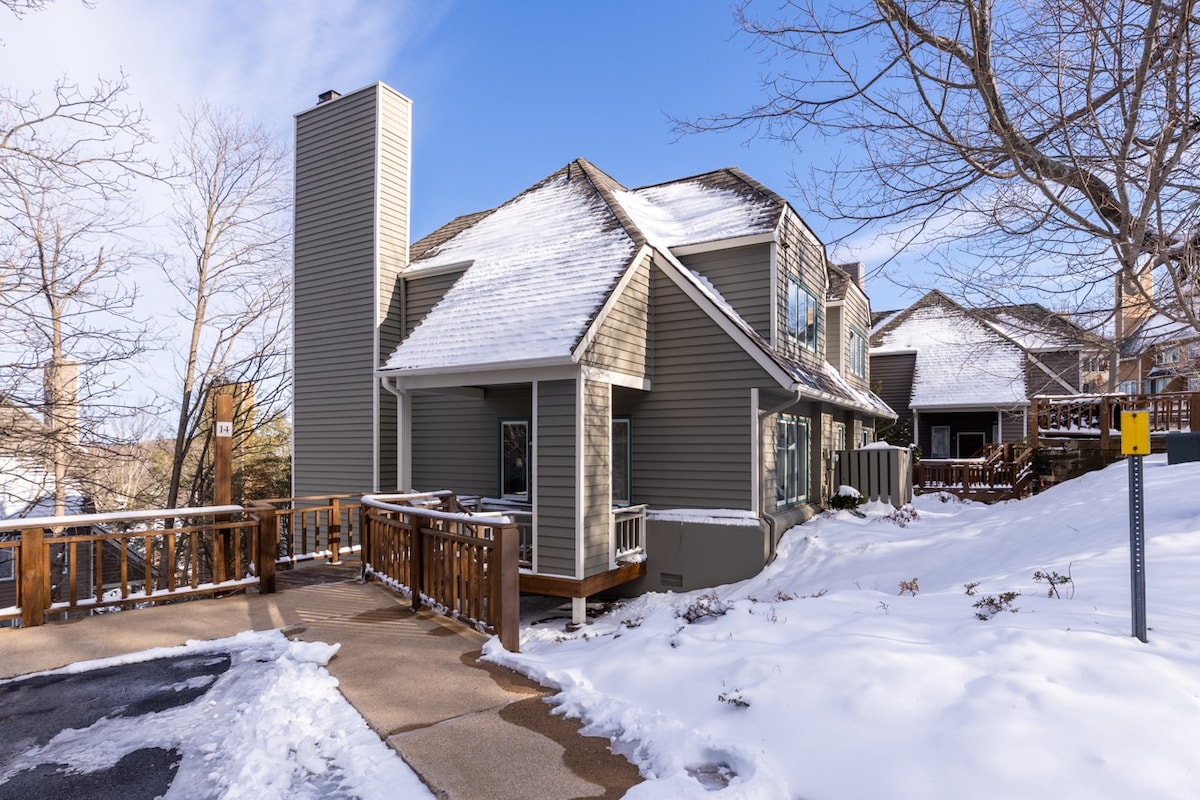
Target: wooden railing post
[268,548]
[1034,421]
[335,531]
[504,590]
[1194,412]
[1105,421]
[364,538]
[35,574]
[416,565]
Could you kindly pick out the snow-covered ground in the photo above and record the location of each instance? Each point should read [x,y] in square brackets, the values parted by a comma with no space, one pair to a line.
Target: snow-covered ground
[823,678]
[818,679]
[272,727]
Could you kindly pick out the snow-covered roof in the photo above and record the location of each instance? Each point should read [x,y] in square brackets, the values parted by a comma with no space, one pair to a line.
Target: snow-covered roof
[1158,329]
[27,490]
[695,211]
[960,361]
[541,266]
[538,269]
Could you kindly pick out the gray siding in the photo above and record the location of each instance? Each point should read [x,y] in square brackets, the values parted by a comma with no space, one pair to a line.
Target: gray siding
[835,337]
[801,255]
[692,433]
[597,499]
[422,293]
[455,440]
[334,295]
[1012,426]
[622,343]
[743,277]
[892,377]
[342,307]
[556,473]
[856,315]
[394,166]
[1065,364]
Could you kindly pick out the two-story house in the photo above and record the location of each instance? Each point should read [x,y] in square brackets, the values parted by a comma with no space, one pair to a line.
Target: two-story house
[580,348]
[962,378]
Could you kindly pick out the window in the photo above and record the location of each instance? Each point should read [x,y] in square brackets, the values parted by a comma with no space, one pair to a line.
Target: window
[1127,387]
[514,459]
[1156,385]
[791,460]
[839,436]
[803,313]
[6,564]
[940,441]
[858,354]
[1172,355]
[622,478]
[867,435]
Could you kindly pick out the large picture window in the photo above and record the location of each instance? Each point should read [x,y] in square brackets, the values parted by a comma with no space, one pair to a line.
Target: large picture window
[622,479]
[803,315]
[6,563]
[791,460]
[514,459]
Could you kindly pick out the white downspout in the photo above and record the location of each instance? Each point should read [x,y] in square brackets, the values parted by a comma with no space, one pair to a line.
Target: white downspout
[403,456]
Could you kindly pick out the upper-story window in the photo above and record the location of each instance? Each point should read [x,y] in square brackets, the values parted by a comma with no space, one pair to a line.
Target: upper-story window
[1171,355]
[803,315]
[858,354]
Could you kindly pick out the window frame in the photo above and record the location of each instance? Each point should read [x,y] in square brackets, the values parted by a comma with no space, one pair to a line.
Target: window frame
[856,361]
[8,564]
[794,471]
[799,329]
[626,421]
[501,457]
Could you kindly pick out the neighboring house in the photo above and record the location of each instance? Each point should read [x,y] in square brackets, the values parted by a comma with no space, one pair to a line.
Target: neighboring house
[580,348]
[963,377]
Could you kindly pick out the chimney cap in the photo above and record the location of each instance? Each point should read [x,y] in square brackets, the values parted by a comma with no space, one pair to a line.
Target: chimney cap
[326,96]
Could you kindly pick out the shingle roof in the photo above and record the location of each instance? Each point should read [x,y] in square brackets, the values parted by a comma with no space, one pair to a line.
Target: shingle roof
[541,266]
[961,360]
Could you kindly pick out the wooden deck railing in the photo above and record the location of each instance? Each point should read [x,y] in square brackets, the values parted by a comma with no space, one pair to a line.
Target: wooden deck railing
[316,527]
[629,529]
[1100,415]
[165,554]
[461,563]
[1003,474]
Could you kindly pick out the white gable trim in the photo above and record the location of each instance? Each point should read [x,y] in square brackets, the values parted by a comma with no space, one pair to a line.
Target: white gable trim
[680,277]
[420,271]
[724,244]
[610,303]
[615,378]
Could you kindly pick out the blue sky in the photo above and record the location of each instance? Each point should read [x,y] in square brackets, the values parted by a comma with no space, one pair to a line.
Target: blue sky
[504,93]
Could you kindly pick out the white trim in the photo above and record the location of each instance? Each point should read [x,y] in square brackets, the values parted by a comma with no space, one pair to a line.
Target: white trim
[615,378]
[545,369]
[973,406]
[890,351]
[580,432]
[434,269]
[776,338]
[376,315]
[1051,373]
[726,244]
[641,256]
[756,466]
[534,444]
[612,527]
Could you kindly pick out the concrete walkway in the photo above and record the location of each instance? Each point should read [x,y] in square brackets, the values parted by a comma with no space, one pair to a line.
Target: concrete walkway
[471,730]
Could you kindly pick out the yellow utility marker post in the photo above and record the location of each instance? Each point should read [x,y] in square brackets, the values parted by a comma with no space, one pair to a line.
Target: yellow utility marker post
[1135,444]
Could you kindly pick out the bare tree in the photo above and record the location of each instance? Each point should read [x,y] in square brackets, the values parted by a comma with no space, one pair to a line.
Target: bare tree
[231,218]
[1054,144]
[65,317]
